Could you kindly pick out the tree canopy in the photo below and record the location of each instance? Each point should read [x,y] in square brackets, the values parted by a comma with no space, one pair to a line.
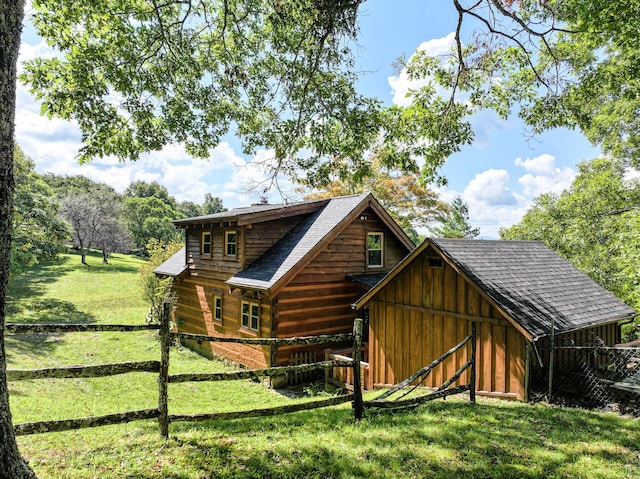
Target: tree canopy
[38,233]
[595,224]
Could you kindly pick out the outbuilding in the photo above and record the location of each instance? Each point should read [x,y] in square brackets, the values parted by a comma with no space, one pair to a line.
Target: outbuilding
[521,294]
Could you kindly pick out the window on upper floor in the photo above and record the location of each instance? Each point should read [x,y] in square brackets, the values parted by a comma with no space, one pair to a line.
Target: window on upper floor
[217,308]
[230,243]
[375,250]
[205,243]
[250,315]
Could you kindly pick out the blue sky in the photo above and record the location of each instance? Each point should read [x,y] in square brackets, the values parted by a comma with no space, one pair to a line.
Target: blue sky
[497,176]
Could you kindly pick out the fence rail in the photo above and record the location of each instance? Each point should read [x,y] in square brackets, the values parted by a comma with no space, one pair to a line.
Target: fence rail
[161,413]
[164,378]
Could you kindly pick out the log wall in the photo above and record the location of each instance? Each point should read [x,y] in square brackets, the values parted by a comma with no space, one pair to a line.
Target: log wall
[426,310]
[316,301]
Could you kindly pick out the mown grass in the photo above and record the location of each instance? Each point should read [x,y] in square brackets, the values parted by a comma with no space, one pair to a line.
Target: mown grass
[443,439]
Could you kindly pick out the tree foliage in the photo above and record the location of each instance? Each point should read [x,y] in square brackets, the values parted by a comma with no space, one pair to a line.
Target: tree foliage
[556,63]
[137,76]
[413,205]
[37,233]
[595,224]
[455,222]
[156,290]
[149,218]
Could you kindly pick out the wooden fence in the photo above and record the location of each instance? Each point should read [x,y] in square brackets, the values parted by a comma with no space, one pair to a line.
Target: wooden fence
[161,367]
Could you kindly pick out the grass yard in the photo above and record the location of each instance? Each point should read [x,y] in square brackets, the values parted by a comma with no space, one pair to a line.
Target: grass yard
[442,439]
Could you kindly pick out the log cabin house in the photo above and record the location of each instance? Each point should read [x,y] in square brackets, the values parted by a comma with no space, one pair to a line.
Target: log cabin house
[520,294]
[280,271]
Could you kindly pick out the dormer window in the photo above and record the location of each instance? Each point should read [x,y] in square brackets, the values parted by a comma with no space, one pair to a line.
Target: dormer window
[230,243]
[375,248]
[205,243]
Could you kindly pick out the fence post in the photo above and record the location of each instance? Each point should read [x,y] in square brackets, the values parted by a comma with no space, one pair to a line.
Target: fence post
[472,375]
[163,376]
[358,405]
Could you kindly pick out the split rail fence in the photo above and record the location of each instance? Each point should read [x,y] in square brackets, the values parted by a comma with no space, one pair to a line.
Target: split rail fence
[161,367]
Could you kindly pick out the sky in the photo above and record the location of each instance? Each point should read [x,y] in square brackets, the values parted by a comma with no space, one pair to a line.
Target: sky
[498,176]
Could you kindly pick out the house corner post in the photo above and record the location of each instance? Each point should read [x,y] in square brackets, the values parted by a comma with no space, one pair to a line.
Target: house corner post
[163,376]
[472,378]
[358,405]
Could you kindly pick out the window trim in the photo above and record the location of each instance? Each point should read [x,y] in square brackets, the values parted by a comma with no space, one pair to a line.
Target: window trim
[250,316]
[227,243]
[369,250]
[203,243]
[217,310]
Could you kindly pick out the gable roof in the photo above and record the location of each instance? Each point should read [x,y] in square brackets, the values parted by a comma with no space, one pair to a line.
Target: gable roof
[300,245]
[174,266]
[532,285]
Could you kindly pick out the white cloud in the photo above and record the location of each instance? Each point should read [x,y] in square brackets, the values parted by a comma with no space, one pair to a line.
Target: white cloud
[401,84]
[543,176]
[490,188]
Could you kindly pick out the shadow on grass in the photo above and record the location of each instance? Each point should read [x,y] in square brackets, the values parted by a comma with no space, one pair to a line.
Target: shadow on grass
[443,439]
[27,304]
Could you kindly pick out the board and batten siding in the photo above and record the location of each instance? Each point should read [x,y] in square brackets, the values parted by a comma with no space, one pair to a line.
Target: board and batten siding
[425,311]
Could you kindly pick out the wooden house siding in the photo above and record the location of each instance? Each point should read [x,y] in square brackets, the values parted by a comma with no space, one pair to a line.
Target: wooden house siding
[425,311]
[296,260]
[318,299]
[194,315]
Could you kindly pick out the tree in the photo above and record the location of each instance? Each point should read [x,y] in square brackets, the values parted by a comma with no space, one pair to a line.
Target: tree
[212,204]
[595,224]
[142,189]
[38,232]
[11,13]
[95,222]
[556,63]
[411,204]
[156,290]
[455,223]
[149,218]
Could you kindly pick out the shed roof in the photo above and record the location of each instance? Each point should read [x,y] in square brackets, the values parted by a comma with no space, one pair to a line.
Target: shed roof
[529,282]
[300,245]
[174,266]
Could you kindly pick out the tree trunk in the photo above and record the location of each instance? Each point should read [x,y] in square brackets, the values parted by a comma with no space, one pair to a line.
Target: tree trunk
[11,12]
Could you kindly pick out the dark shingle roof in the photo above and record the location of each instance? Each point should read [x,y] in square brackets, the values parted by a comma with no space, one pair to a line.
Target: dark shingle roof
[534,285]
[275,263]
[174,266]
[368,280]
[257,210]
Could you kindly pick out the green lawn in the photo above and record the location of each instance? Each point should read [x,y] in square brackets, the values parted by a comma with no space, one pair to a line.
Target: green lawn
[445,438]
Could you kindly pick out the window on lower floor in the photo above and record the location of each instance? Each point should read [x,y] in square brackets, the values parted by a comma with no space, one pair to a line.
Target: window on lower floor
[217,308]
[250,315]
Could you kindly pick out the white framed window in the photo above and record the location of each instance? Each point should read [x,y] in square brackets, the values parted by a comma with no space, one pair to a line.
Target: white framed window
[375,250]
[230,243]
[205,243]
[217,308]
[250,315]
